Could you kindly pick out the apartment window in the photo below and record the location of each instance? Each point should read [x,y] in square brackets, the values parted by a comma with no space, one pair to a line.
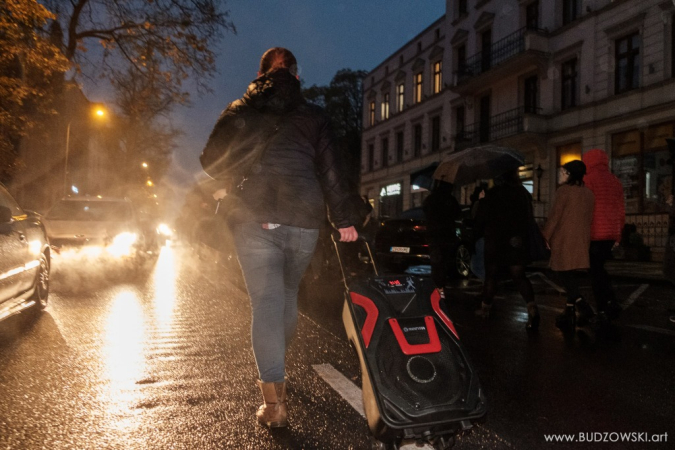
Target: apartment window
[627,70]
[435,133]
[569,84]
[371,113]
[532,16]
[419,47]
[462,7]
[459,123]
[400,60]
[461,58]
[438,76]
[417,140]
[571,9]
[400,97]
[399,146]
[569,152]
[437,33]
[385,152]
[531,100]
[385,106]
[371,157]
[484,114]
[418,87]
[486,50]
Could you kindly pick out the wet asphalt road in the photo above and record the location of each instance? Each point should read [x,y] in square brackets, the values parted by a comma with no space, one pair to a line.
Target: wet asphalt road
[160,358]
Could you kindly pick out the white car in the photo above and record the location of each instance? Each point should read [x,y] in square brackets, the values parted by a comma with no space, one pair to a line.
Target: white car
[94,227]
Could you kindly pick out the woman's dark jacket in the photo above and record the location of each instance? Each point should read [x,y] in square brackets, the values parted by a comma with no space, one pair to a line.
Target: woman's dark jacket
[300,167]
[503,218]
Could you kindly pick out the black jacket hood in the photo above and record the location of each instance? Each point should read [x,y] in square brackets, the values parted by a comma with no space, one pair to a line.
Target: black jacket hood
[276,92]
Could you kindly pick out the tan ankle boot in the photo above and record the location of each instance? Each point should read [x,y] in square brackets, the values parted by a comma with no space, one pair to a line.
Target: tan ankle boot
[274,413]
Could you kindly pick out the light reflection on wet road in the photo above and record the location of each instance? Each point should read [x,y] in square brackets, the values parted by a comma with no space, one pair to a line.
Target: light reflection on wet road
[160,358]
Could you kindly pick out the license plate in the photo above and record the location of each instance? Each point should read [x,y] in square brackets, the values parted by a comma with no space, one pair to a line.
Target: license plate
[400,250]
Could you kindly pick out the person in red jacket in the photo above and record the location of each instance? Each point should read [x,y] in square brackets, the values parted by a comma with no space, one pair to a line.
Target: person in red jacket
[608,221]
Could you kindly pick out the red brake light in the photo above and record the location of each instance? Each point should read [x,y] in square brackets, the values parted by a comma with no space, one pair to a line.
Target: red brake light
[420,227]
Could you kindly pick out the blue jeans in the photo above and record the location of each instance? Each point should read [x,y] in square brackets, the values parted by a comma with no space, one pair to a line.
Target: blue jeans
[273,263]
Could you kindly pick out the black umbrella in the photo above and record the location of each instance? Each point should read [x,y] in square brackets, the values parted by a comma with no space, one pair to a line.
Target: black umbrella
[478,163]
[424,178]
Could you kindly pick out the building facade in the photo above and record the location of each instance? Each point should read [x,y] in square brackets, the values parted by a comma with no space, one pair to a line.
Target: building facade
[551,78]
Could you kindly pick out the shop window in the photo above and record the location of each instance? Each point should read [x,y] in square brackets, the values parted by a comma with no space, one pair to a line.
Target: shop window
[391,201]
[640,161]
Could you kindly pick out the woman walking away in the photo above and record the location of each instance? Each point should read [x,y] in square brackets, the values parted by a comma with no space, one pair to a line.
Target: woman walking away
[568,232]
[503,219]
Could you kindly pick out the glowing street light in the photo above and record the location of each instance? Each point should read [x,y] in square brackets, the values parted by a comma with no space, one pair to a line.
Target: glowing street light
[149,183]
[99,113]
[145,165]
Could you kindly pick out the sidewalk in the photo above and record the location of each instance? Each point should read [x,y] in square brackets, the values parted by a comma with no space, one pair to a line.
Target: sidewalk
[643,270]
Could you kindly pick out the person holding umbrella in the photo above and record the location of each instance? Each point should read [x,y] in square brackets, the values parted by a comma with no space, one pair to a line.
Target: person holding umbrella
[503,219]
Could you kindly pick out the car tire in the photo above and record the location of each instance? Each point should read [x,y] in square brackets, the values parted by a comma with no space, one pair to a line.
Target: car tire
[462,261]
[41,294]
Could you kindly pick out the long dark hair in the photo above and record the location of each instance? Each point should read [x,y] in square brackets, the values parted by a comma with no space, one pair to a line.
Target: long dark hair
[577,170]
[510,178]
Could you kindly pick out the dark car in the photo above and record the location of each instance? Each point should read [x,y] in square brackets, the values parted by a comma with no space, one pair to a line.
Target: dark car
[24,258]
[403,242]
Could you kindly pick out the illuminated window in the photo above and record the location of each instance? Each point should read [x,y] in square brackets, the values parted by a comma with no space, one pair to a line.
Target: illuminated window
[418,87]
[385,107]
[438,77]
[400,97]
[371,114]
[569,152]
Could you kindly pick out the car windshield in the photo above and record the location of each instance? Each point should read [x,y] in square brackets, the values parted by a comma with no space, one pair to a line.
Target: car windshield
[90,211]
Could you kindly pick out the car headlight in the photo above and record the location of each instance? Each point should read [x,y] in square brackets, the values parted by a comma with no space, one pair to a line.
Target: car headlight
[164,230]
[122,244]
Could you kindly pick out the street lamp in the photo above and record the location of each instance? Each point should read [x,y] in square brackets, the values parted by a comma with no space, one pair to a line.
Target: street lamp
[98,112]
[144,165]
[539,171]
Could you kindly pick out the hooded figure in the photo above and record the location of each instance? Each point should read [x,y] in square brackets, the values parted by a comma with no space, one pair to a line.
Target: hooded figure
[608,220]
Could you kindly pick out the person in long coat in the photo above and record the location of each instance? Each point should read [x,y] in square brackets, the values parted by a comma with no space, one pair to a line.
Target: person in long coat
[568,232]
[503,219]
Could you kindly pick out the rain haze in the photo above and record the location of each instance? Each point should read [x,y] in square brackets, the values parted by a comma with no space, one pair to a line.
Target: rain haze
[324,36]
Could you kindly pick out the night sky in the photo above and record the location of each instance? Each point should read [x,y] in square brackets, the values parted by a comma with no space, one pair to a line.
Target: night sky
[324,35]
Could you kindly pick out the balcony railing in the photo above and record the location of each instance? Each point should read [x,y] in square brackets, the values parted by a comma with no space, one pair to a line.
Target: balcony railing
[500,51]
[499,126]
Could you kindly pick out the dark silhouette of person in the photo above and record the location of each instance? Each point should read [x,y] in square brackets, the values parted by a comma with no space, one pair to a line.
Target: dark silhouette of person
[441,209]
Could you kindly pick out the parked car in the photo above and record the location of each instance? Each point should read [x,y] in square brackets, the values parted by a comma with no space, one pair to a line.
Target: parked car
[403,242]
[24,258]
[95,227]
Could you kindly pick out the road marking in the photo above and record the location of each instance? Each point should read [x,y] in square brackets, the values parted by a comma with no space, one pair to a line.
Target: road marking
[634,296]
[653,329]
[548,281]
[342,386]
